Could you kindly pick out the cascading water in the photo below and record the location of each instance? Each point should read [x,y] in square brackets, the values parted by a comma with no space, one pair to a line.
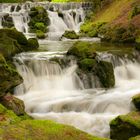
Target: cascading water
[50,92]
[72,16]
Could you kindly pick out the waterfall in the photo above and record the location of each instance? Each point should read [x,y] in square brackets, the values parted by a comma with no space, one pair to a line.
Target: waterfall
[50,92]
[72,16]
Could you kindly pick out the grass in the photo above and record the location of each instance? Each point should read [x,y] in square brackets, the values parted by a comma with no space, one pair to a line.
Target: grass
[112,11]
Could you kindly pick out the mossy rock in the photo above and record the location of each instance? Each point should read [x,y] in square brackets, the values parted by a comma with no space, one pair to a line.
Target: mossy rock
[40,34]
[136,101]
[82,50]
[70,35]
[39,19]
[7,21]
[87,64]
[135,11]
[105,72]
[40,26]
[33,43]
[14,127]
[13,103]
[125,126]
[14,34]
[9,77]
[135,138]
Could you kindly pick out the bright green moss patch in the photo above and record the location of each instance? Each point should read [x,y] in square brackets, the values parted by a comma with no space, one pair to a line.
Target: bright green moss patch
[135,138]
[70,35]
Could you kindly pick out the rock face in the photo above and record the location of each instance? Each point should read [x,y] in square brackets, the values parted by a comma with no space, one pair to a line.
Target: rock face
[88,63]
[9,78]
[125,126]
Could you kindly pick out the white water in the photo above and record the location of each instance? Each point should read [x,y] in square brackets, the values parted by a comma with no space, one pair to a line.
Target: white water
[50,92]
[73,17]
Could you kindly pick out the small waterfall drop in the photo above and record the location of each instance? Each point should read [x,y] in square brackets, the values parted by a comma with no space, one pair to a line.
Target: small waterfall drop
[50,92]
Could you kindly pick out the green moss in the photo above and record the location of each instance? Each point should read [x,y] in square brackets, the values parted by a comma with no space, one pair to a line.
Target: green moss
[70,35]
[82,50]
[40,26]
[39,19]
[40,34]
[136,101]
[125,126]
[87,64]
[33,43]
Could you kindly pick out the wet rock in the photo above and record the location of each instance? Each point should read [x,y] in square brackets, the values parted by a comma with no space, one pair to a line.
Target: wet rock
[7,21]
[125,126]
[9,77]
[70,35]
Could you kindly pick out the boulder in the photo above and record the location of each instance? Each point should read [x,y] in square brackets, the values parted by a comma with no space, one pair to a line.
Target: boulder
[135,138]
[9,77]
[13,103]
[70,35]
[125,126]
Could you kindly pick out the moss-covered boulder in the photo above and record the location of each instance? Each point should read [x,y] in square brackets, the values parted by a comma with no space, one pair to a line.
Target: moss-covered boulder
[125,126]
[87,64]
[105,72]
[14,127]
[136,101]
[9,77]
[13,103]
[70,35]
[82,50]
[39,21]
[33,43]
[12,42]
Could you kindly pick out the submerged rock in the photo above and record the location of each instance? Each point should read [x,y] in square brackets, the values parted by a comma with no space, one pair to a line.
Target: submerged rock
[125,126]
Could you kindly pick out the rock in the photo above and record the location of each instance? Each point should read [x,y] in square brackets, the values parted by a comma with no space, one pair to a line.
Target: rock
[125,126]
[82,50]
[13,103]
[15,42]
[105,72]
[7,21]
[39,20]
[70,35]
[9,78]
[136,101]
[33,43]
[87,64]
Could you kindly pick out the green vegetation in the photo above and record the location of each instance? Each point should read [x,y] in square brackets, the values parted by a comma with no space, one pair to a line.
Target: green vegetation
[70,35]
[135,138]
[14,127]
[39,21]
